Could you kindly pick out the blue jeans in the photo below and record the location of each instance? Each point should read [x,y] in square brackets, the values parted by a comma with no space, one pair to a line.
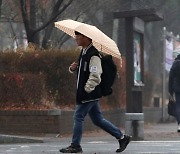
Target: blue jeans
[92,108]
[177,95]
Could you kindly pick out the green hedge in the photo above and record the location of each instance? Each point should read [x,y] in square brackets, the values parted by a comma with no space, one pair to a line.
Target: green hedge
[42,76]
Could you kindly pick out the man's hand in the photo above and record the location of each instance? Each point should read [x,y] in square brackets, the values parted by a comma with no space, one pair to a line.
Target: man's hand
[73,66]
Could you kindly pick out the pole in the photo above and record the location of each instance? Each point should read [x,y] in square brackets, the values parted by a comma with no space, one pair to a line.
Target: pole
[164,75]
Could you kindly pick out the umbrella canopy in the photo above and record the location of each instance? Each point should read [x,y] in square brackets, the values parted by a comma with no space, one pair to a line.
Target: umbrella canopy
[100,41]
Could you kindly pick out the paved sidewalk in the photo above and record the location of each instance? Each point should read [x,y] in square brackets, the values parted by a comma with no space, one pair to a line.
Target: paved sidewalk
[152,132]
[106,147]
[161,131]
[159,138]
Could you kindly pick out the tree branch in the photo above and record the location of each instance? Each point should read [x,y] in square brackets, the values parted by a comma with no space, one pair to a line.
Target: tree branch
[53,16]
[25,16]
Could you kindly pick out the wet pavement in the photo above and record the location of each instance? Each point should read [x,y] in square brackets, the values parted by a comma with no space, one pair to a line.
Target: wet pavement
[159,138]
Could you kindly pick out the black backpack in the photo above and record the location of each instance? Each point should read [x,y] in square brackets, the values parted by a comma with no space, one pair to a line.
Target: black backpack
[109,74]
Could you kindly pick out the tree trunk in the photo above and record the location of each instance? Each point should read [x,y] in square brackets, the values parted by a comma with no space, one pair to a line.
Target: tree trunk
[33,21]
[49,29]
[0,7]
[46,39]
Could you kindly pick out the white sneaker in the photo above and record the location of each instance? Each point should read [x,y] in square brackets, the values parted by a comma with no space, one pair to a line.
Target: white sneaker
[178,130]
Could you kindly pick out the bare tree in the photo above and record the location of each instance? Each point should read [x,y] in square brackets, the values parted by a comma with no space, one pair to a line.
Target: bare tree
[38,15]
[29,19]
[0,7]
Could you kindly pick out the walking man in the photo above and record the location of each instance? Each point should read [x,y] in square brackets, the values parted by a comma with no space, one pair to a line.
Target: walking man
[89,72]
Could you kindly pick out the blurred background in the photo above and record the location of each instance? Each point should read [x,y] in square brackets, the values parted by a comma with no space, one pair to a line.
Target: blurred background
[34,55]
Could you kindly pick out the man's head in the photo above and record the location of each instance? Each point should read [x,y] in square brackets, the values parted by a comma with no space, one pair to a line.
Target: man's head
[82,40]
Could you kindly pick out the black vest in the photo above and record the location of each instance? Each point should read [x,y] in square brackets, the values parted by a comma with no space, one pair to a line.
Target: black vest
[83,75]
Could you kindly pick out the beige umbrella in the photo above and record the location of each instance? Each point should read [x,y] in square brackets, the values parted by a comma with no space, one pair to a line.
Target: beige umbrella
[100,41]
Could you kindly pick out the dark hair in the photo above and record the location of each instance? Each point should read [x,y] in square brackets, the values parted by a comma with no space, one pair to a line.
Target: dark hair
[77,33]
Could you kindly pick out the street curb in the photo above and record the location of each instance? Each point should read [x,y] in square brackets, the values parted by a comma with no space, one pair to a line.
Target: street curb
[4,139]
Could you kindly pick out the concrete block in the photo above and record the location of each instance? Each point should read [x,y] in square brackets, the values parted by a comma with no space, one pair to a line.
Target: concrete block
[134,116]
[134,125]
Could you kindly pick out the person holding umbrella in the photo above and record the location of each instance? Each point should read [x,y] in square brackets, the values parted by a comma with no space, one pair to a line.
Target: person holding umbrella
[89,72]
